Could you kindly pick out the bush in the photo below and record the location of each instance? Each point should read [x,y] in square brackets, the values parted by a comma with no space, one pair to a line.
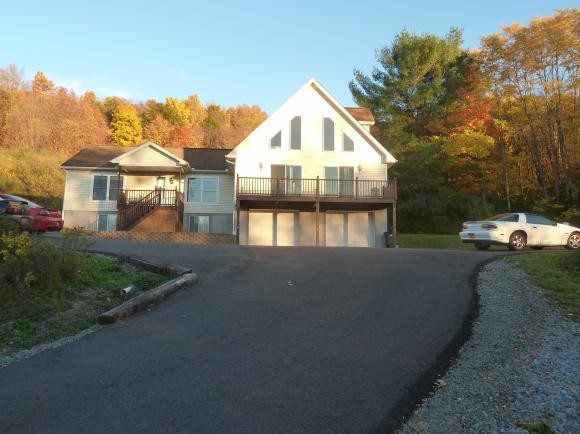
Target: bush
[29,264]
[8,225]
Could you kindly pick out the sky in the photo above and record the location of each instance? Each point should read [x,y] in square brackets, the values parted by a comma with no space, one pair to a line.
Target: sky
[230,52]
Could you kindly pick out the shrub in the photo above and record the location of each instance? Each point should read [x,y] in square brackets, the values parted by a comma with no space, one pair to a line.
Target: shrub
[8,225]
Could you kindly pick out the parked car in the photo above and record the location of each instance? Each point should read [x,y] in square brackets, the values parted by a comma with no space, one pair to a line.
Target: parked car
[43,219]
[16,211]
[518,230]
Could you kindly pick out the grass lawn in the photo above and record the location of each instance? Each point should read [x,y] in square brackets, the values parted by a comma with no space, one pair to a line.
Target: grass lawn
[431,241]
[43,316]
[558,275]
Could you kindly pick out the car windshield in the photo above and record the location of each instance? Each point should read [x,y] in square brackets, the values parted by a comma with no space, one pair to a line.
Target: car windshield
[504,218]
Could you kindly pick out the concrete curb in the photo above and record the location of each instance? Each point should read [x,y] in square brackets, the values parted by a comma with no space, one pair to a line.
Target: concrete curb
[144,300]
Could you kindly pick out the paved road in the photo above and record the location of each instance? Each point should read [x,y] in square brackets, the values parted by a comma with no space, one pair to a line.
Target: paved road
[347,348]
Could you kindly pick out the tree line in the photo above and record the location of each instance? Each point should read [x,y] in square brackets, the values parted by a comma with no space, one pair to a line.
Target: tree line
[42,116]
[480,131]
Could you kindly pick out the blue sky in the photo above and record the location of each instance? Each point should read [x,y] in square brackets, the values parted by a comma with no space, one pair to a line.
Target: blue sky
[229,52]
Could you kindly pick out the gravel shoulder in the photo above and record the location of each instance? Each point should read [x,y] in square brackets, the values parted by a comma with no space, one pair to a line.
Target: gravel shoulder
[519,371]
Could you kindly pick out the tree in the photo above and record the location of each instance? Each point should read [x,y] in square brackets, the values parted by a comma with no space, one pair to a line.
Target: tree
[11,78]
[176,112]
[159,130]
[41,84]
[126,125]
[408,90]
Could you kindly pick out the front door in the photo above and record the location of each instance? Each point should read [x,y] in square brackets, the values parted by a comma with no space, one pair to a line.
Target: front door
[278,175]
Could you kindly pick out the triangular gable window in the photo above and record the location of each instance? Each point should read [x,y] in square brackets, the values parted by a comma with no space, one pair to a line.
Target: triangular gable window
[276,141]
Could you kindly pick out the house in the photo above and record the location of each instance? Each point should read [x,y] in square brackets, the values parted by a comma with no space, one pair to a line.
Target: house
[149,188]
[310,175]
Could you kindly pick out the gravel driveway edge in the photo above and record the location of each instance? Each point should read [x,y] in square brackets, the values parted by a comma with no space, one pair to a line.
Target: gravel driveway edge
[518,370]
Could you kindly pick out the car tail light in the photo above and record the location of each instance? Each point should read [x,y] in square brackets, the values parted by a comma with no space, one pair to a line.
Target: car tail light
[488,226]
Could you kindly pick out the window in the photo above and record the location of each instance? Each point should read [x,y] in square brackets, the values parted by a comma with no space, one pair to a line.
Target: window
[538,220]
[276,141]
[294,175]
[514,218]
[331,181]
[100,187]
[102,223]
[296,133]
[212,223]
[328,134]
[199,223]
[106,187]
[115,184]
[106,222]
[202,190]
[347,143]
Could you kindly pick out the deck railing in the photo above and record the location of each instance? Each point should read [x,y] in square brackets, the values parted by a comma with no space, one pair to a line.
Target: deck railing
[317,188]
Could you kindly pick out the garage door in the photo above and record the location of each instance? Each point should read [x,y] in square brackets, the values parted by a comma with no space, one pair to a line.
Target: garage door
[260,226]
[358,229]
[350,229]
[284,229]
[334,230]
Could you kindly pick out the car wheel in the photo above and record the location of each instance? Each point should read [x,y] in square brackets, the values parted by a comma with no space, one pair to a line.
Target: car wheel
[537,247]
[481,246]
[518,241]
[573,241]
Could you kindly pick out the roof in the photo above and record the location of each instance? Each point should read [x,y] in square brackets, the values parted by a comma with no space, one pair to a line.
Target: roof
[361,114]
[101,156]
[206,159]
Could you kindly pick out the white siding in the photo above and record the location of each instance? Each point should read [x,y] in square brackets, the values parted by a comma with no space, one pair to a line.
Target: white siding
[78,191]
[254,156]
[148,157]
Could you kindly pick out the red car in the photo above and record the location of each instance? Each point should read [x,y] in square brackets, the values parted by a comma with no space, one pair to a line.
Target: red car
[43,219]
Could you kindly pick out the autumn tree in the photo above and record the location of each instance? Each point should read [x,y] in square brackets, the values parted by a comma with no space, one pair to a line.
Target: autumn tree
[126,125]
[533,73]
[41,84]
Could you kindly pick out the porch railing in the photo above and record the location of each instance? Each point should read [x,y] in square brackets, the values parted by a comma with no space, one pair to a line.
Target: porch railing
[317,188]
[132,205]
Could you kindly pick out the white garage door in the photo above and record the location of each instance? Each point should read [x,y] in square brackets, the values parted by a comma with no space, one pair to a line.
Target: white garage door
[350,229]
[260,226]
[284,229]
[358,229]
[335,230]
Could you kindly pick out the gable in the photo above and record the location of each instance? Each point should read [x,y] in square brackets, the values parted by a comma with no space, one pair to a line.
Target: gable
[312,103]
[149,155]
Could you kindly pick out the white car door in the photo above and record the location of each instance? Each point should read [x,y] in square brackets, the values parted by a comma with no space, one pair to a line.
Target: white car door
[533,229]
[543,230]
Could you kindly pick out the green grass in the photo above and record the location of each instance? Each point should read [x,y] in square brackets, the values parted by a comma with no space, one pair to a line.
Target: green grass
[558,275]
[46,315]
[431,241]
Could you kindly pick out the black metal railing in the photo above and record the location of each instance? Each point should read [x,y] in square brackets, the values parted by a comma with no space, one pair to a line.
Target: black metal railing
[133,205]
[317,188]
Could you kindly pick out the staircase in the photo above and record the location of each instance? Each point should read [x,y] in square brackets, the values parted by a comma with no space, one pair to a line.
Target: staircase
[150,210]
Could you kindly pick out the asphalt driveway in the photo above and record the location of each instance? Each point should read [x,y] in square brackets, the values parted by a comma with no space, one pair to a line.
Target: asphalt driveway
[271,340]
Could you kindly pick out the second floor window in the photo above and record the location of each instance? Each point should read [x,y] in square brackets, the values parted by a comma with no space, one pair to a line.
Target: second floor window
[276,141]
[328,134]
[202,190]
[347,143]
[296,133]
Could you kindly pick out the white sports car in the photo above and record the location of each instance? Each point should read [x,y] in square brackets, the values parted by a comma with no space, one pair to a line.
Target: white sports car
[518,230]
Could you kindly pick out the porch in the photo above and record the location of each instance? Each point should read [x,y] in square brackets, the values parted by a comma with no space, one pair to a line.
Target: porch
[318,196]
